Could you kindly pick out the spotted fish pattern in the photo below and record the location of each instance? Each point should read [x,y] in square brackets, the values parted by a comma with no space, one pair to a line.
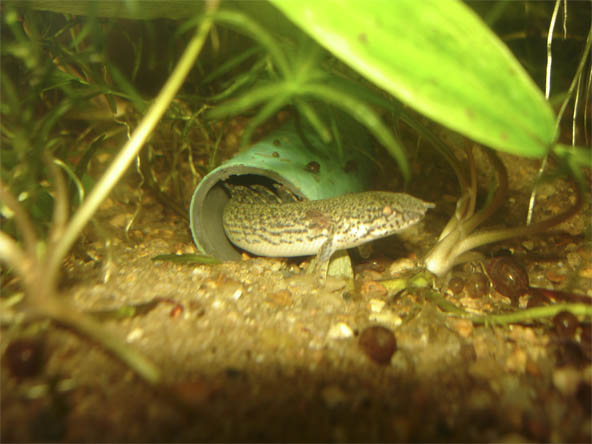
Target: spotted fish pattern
[318,227]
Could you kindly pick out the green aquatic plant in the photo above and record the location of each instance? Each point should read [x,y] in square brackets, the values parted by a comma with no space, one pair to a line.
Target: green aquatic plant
[472,84]
[293,75]
[37,262]
[459,237]
[440,58]
[418,52]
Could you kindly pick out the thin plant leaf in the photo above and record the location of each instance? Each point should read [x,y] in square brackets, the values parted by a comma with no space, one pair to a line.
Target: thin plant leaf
[366,116]
[314,119]
[249,100]
[186,259]
[266,112]
[125,311]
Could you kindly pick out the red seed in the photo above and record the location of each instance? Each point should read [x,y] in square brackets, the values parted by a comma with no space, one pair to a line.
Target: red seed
[378,343]
[565,324]
[24,357]
[456,285]
[508,276]
[477,285]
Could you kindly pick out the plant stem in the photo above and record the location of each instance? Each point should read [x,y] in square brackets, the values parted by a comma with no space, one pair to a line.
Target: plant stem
[528,314]
[13,255]
[498,198]
[84,324]
[490,236]
[133,146]
[23,222]
[532,314]
[580,68]
[60,207]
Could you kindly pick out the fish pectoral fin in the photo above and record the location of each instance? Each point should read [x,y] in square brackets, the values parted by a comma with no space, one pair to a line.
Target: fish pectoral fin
[321,260]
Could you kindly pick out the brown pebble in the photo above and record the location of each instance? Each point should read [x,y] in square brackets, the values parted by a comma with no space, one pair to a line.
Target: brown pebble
[176,311]
[555,276]
[281,298]
[370,275]
[401,266]
[586,272]
[378,343]
[373,289]
[193,392]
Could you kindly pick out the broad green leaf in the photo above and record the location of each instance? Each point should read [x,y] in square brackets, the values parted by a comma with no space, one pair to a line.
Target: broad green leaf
[438,57]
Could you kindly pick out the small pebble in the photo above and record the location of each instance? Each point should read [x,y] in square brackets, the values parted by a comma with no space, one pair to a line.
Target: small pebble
[376,305]
[230,289]
[528,245]
[119,220]
[586,272]
[463,327]
[281,298]
[370,275]
[566,380]
[574,260]
[401,266]
[134,335]
[176,311]
[386,317]
[555,276]
[340,331]
[373,289]
[378,343]
[402,363]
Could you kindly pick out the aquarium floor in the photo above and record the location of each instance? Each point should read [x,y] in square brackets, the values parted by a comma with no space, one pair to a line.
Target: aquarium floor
[257,351]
